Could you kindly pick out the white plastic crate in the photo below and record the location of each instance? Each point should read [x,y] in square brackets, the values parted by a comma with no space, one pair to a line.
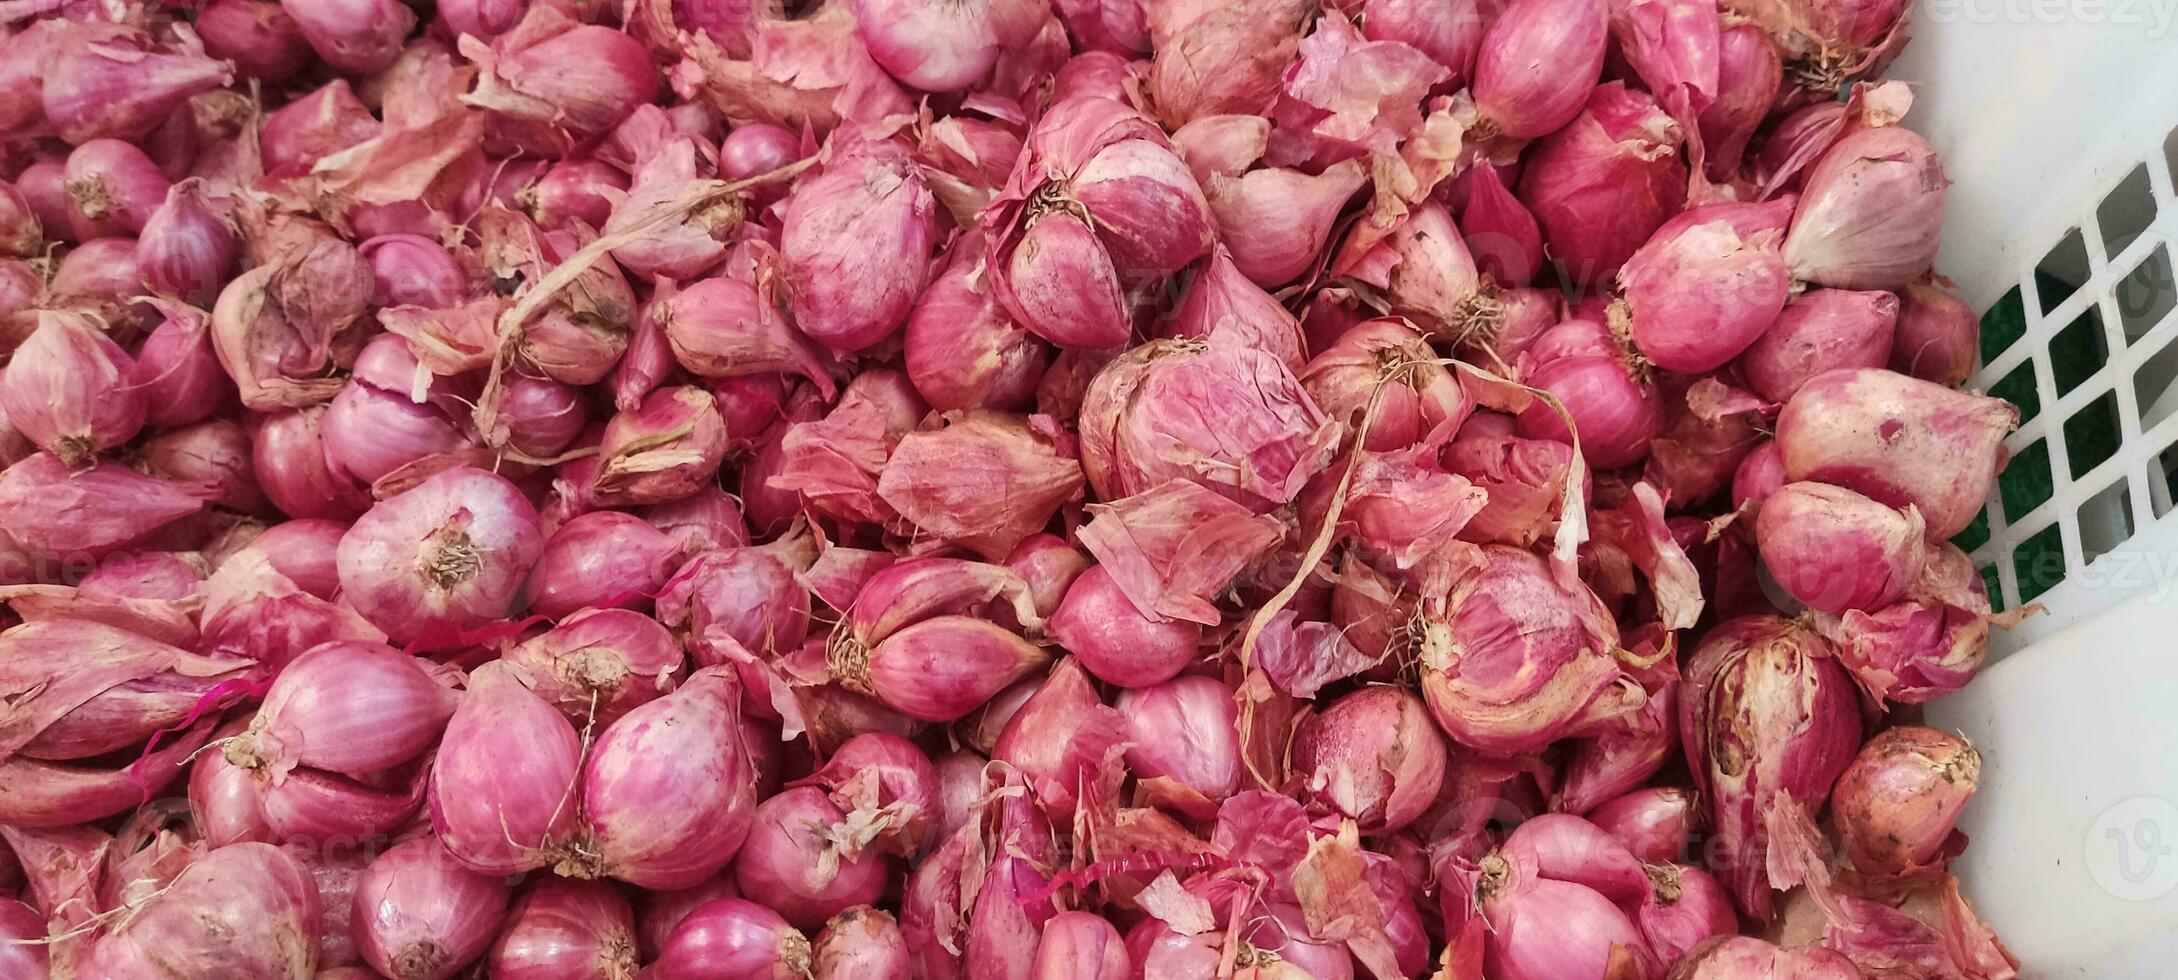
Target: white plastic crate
[2058,121]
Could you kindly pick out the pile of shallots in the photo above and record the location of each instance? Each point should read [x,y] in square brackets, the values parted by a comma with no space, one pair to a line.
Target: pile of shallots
[990,489]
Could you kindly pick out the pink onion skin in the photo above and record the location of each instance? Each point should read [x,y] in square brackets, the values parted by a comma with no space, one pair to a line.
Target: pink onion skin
[785,858]
[502,787]
[1056,738]
[21,234]
[861,943]
[260,38]
[52,511]
[566,930]
[1938,336]
[1372,756]
[605,661]
[1603,184]
[448,555]
[747,593]
[1871,212]
[241,910]
[1276,220]
[1708,284]
[963,351]
[1186,729]
[708,519]
[560,82]
[1049,565]
[349,707]
[1745,957]
[421,916]
[884,770]
[1449,33]
[1653,824]
[112,183]
[313,126]
[857,240]
[601,559]
[1896,806]
[668,790]
[942,668]
[1685,909]
[730,937]
[1749,71]
[1835,550]
[1081,946]
[485,19]
[1423,407]
[118,91]
[665,449]
[1822,330]
[1769,719]
[66,389]
[1537,64]
[1898,440]
[1116,641]
[1059,283]
[354,37]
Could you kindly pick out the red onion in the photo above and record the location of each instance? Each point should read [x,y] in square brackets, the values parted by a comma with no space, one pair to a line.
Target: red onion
[372,434]
[551,82]
[1685,908]
[1563,847]
[962,350]
[1938,337]
[800,860]
[313,126]
[177,374]
[940,47]
[117,90]
[274,325]
[1449,33]
[566,930]
[707,519]
[1601,186]
[1505,698]
[1614,411]
[1899,441]
[1371,756]
[1896,805]
[942,668]
[1537,64]
[753,149]
[261,40]
[1233,420]
[861,943]
[857,241]
[725,328]
[1871,214]
[1060,284]
[1653,824]
[1749,71]
[1116,641]
[1748,958]
[302,550]
[1185,730]
[51,510]
[1927,645]
[1225,309]
[354,708]
[294,472]
[411,270]
[446,556]
[733,938]
[601,559]
[1835,550]
[984,481]
[21,235]
[1542,927]
[1709,284]
[22,934]
[310,806]
[485,19]
[354,37]
[102,275]
[1760,474]
[1769,719]
[1049,566]
[112,184]
[187,248]
[658,913]
[241,910]
[886,786]
[585,330]
[1424,269]
[1422,406]
[1822,330]
[1081,946]
[679,250]
[667,790]
[66,388]
[1276,221]
[748,596]
[1499,230]
[605,661]
[571,191]
[502,788]
[1212,59]
[1061,741]
[214,455]
[420,916]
